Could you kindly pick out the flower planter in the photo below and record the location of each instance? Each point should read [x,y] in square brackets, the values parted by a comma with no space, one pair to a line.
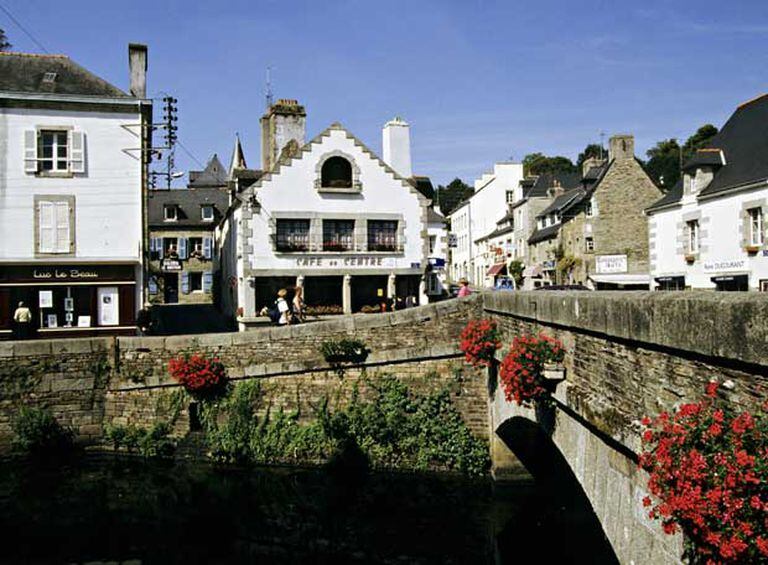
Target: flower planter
[553,372]
[356,357]
[752,249]
[690,258]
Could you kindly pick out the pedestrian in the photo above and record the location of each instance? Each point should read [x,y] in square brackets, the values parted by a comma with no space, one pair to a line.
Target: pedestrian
[298,304]
[283,309]
[464,287]
[144,319]
[23,318]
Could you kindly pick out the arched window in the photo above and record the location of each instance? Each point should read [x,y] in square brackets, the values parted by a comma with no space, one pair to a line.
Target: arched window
[336,173]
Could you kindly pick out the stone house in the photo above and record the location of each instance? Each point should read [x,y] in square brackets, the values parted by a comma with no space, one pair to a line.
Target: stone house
[181,236]
[73,169]
[595,234]
[709,230]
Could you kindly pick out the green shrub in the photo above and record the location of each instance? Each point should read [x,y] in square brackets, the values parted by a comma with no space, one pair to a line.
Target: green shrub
[148,442]
[37,432]
[394,429]
[341,350]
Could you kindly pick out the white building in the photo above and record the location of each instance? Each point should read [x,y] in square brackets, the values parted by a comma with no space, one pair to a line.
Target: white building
[709,230]
[477,217]
[329,216]
[437,234]
[72,170]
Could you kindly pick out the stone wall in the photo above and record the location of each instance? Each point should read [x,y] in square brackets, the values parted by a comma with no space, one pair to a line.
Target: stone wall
[87,383]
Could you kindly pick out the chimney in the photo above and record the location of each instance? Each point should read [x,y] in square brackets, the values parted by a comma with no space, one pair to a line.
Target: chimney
[396,146]
[621,148]
[137,65]
[556,189]
[284,121]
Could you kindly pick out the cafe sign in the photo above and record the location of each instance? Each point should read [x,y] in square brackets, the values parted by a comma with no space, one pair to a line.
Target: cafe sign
[607,264]
[362,261]
[170,265]
[725,266]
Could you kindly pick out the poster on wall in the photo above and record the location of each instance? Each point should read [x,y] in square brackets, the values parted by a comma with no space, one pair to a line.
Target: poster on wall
[46,299]
[53,321]
[69,304]
[83,321]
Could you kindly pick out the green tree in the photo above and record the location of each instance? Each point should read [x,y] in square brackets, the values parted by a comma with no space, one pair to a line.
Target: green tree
[538,163]
[591,150]
[663,163]
[698,140]
[450,196]
[4,44]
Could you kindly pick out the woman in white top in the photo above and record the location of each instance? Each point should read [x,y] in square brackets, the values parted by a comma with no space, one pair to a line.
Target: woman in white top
[298,304]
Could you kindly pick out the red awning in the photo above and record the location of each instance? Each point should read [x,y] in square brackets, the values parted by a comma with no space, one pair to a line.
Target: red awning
[497,269]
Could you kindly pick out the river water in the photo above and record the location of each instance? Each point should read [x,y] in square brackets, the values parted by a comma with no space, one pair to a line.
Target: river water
[118,510]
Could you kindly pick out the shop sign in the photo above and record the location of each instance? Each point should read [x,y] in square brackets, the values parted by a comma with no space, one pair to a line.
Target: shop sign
[46,274]
[606,264]
[318,262]
[548,264]
[725,266]
[170,265]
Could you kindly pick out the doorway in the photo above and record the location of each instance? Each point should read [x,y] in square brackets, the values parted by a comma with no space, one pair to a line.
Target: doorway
[170,288]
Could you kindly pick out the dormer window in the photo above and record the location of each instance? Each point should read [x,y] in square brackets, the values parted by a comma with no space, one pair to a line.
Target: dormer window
[336,173]
[170,212]
[206,213]
[591,209]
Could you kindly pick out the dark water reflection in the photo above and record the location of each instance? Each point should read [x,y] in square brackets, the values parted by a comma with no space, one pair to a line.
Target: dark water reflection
[120,510]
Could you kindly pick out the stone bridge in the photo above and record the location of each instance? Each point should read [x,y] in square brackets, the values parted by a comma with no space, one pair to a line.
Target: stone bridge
[628,355]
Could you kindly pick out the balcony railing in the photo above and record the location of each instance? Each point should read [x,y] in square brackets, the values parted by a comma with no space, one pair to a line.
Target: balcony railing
[357,244]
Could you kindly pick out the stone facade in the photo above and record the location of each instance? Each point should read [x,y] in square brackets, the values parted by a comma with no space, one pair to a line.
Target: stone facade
[617,224]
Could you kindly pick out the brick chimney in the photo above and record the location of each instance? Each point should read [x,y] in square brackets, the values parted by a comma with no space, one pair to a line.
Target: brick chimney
[284,121]
[137,66]
[622,147]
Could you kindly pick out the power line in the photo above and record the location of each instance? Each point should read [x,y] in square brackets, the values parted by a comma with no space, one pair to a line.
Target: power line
[22,28]
[188,152]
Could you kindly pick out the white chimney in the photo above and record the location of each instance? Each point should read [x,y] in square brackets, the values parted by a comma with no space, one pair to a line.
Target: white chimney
[137,65]
[396,145]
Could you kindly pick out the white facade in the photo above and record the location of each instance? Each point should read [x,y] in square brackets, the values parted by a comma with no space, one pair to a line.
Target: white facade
[478,218]
[107,194]
[721,238]
[290,229]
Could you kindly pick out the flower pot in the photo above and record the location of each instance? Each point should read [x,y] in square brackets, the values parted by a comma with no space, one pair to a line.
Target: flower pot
[690,258]
[752,249]
[553,372]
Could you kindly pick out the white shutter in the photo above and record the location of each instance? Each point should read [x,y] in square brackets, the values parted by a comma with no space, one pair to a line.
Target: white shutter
[46,220]
[62,227]
[76,151]
[30,151]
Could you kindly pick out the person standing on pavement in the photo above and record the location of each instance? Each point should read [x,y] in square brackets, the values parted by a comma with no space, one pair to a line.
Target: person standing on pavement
[298,304]
[464,288]
[23,318]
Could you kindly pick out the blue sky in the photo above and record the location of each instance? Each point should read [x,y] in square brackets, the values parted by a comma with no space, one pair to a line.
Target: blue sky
[478,81]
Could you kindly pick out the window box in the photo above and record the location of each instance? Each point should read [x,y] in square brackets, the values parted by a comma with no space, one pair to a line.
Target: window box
[333,246]
[690,257]
[292,248]
[751,249]
[382,247]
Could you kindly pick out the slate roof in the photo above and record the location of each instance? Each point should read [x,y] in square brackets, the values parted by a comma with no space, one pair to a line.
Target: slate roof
[434,217]
[25,73]
[568,198]
[743,141]
[542,234]
[546,180]
[424,185]
[711,157]
[214,175]
[188,201]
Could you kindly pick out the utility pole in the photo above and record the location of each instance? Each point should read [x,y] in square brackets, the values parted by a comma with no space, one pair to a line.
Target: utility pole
[170,118]
[269,97]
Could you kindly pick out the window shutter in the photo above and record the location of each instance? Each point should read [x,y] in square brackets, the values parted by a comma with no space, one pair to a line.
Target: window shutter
[46,221]
[160,247]
[62,227]
[152,285]
[185,283]
[30,151]
[207,247]
[76,151]
[182,248]
[207,281]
